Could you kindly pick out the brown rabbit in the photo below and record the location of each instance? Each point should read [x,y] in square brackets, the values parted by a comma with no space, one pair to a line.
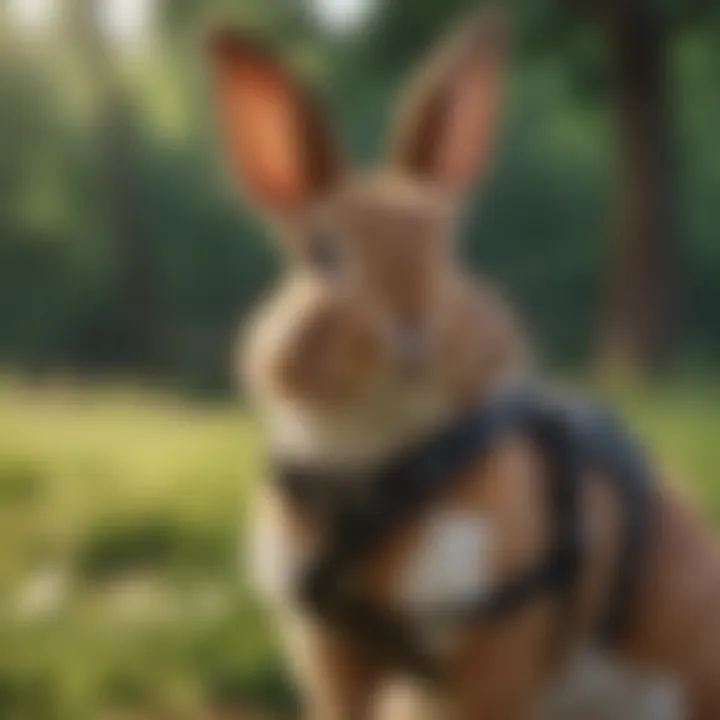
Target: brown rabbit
[377,336]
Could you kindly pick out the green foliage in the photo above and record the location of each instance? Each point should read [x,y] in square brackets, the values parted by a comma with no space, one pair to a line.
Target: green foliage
[181,256]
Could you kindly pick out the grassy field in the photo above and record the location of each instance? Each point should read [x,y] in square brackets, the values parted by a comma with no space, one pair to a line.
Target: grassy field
[121,588]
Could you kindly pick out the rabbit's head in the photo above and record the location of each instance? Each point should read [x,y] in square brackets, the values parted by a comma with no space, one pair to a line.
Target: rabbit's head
[373,294]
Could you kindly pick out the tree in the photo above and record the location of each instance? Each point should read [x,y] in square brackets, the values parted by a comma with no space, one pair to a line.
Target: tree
[640,324]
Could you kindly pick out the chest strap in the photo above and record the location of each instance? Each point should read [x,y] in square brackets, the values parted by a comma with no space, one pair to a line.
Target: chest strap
[358,514]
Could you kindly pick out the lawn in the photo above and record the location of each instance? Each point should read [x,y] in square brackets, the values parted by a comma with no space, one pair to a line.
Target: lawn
[121,586]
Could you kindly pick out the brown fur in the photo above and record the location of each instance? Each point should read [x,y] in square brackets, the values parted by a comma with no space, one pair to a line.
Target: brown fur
[332,342]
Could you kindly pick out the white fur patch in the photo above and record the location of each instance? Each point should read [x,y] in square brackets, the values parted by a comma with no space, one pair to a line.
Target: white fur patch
[273,561]
[451,564]
[363,434]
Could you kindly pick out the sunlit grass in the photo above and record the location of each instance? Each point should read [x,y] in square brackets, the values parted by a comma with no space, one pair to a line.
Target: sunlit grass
[680,424]
[120,577]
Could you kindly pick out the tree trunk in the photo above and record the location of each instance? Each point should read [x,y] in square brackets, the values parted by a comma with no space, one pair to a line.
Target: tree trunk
[641,313]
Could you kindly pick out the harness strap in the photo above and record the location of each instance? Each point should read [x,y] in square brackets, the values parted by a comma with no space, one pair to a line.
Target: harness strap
[606,446]
[387,636]
[355,525]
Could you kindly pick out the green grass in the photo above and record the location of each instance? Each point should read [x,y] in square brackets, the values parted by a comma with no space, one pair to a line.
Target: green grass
[121,590]
[680,426]
[120,578]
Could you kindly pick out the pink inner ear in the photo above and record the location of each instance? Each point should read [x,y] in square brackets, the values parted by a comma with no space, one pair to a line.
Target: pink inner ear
[265,145]
[467,135]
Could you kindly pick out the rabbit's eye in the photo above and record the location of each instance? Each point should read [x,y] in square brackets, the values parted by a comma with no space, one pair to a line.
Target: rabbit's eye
[325,253]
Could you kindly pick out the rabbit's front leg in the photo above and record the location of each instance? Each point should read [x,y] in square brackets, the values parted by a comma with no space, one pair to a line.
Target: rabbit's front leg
[335,681]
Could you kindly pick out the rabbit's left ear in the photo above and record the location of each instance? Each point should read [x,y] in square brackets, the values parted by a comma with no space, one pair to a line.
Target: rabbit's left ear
[276,137]
[448,123]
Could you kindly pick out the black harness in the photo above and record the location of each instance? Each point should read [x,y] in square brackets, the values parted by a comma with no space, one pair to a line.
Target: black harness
[357,515]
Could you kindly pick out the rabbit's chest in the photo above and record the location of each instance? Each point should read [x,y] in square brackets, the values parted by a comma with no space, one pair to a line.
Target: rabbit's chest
[444,555]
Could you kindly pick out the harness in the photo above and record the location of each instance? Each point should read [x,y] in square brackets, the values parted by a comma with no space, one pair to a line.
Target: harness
[357,515]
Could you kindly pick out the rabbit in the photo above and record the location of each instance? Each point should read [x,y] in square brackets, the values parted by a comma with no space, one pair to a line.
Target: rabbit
[377,335]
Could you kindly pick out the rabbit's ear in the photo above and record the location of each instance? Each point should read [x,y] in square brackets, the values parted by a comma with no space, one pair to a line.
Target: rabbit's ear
[276,139]
[447,125]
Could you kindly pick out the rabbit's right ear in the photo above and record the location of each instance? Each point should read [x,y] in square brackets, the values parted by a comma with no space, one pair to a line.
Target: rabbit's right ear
[278,144]
[447,125]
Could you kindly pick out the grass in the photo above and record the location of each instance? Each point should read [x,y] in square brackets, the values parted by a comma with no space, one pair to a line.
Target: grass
[121,589]
[120,581]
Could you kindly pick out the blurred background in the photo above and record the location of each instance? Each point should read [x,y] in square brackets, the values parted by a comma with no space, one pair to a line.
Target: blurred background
[127,262]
